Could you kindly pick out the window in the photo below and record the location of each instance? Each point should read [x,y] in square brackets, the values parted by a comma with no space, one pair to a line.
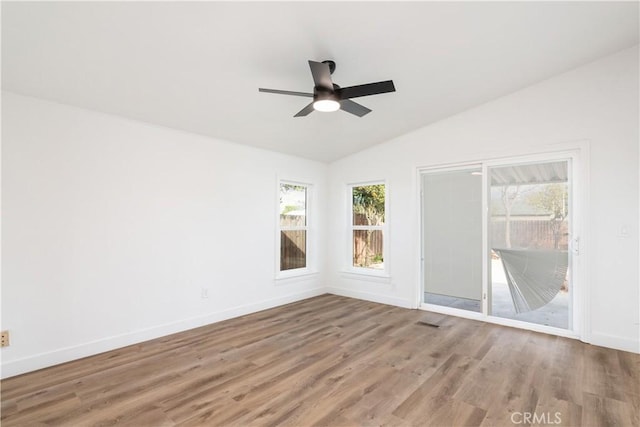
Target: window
[368,226]
[293,226]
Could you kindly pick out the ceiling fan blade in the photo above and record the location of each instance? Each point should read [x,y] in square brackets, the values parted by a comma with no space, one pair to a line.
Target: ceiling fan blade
[305,111]
[354,108]
[286,92]
[366,89]
[321,75]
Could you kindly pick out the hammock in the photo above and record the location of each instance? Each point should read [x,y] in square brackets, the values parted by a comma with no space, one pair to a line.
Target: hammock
[534,276]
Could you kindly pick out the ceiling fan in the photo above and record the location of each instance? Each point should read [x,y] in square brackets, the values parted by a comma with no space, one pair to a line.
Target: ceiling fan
[328,96]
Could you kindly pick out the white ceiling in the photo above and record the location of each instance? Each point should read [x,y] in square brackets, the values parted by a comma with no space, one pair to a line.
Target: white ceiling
[197,66]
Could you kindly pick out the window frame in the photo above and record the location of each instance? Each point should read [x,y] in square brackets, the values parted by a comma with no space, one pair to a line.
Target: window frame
[308,228]
[384,272]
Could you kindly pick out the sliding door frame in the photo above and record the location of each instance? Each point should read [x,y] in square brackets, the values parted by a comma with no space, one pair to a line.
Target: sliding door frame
[577,156]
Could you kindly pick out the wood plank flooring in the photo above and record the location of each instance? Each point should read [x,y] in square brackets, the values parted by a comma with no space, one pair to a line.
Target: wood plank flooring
[336,361]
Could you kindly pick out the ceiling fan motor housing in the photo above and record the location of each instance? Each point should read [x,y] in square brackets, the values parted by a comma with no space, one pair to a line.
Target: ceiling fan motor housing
[324,94]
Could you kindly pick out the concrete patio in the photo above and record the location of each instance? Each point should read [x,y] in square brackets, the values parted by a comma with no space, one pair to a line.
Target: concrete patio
[555,313]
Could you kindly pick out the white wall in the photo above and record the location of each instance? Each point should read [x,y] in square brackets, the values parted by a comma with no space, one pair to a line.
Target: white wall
[597,103]
[111,227]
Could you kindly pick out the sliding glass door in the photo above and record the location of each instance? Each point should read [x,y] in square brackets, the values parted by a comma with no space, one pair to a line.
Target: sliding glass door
[530,219]
[496,240]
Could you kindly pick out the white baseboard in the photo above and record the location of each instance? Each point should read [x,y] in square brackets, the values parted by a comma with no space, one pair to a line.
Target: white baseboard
[55,357]
[612,341]
[367,296]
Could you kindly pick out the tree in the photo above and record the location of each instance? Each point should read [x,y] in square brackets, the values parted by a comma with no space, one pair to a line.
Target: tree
[552,198]
[369,201]
[509,195]
[368,205]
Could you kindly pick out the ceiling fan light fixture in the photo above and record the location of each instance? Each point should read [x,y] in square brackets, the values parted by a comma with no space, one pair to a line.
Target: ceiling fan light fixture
[328,96]
[326,105]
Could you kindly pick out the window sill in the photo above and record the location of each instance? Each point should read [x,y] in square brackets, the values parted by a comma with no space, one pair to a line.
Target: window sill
[379,277]
[295,277]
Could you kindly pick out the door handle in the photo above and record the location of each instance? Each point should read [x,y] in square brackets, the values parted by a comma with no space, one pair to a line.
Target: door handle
[575,245]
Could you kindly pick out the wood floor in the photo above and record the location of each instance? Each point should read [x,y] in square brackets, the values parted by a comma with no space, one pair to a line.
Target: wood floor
[336,361]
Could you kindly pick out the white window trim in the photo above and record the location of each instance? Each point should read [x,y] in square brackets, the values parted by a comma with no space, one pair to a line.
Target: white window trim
[310,235]
[362,271]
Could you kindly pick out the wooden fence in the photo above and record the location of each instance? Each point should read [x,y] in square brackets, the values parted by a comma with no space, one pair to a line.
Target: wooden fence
[365,254]
[531,234]
[293,249]
[293,243]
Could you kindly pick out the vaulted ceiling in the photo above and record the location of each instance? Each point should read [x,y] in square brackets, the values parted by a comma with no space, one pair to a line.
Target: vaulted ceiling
[197,66]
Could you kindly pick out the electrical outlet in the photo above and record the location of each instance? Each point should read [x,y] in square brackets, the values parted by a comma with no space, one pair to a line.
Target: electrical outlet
[4,339]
